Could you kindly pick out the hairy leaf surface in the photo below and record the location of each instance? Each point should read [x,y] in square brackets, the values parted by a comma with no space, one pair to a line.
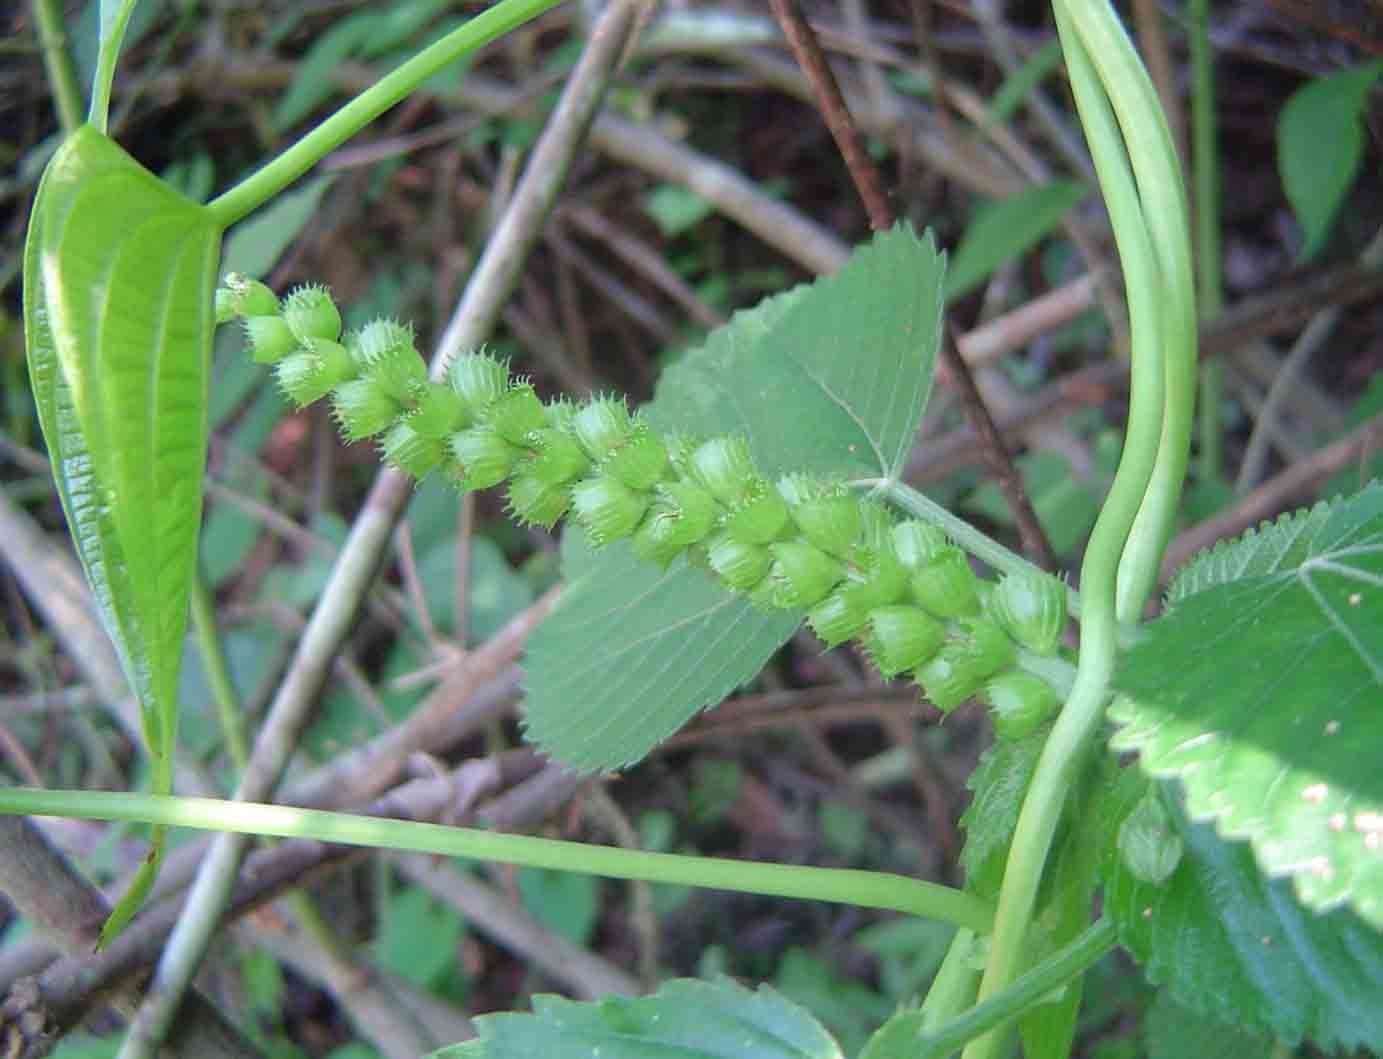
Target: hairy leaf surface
[830,378]
[1262,694]
[685,1019]
[118,273]
[1237,947]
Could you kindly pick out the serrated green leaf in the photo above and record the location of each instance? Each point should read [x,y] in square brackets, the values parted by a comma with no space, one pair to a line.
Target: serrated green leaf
[1320,145]
[1004,229]
[1173,1031]
[1236,947]
[685,1019]
[118,274]
[1262,694]
[632,653]
[998,783]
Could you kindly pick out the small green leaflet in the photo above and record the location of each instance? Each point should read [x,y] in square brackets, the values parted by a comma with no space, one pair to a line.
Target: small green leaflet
[1320,146]
[685,1019]
[1237,948]
[1260,689]
[1004,229]
[118,275]
[631,652]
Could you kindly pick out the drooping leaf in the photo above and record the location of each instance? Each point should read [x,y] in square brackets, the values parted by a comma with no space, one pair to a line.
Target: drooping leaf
[1004,229]
[118,274]
[1320,145]
[685,1019]
[1260,689]
[631,652]
[1237,948]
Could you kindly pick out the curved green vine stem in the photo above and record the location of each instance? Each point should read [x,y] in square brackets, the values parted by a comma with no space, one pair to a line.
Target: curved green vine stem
[57,61]
[264,184]
[1066,749]
[866,889]
[113,26]
[1069,962]
[1161,188]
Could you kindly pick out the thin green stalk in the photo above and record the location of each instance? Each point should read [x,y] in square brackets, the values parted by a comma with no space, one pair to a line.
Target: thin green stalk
[1066,750]
[114,21]
[57,61]
[218,673]
[866,889]
[1067,963]
[264,184]
[1161,189]
[953,988]
[1205,175]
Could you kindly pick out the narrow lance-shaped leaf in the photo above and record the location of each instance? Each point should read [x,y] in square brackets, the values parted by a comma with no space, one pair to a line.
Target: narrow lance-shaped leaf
[117,307]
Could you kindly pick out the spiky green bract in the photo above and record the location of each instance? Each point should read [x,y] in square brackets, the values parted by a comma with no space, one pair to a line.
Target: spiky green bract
[437,411]
[760,516]
[483,458]
[269,338]
[607,508]
[602,426]
[975,650]
[1032,609]
[556,457]
[415,455]
[535,502]
[680,516]
[902,637]
[723,468]
[838,617]
[363,409]
[802,574]
[831,520]
[384,353]
[516,413]
[917,543]
[239,295]
[314,372]
[946,585]
[478,380]
[641,461]
[741,566]
[1020,703]
[309,312]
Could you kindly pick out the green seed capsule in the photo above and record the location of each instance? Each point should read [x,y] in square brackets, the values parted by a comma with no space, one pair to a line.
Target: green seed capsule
[902,637]
[681,515]
[984,641]
[607,508]
[404,448]
[534,502]
[310,313]
[880,578]
[1032,609]
[239,295]
[516,413]
[560,412]
[876,526]
[838,617]
[602,426]
[478,380]
[640,462]
[484,458]
[312,374]
[384,351]
[363,409]
[1020,702]
[761,517]
[438,411]
[557,459]
[949,678]
[269,338]
[917,543]
[802,574]
[831,522]
[946,585]
[723,468]
[741,566]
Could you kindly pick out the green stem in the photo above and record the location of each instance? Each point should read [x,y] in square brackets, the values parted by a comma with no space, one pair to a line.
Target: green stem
[1067,963]
[218,673]
[865,889]
[264,184]
[1205,175]
[57,61]
[112,36]
[1066,749]
[953,988]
